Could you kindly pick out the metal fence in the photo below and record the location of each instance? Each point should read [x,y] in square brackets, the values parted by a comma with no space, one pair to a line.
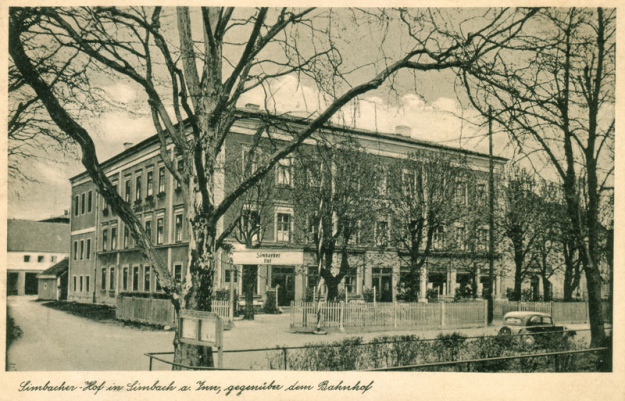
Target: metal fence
[352,315]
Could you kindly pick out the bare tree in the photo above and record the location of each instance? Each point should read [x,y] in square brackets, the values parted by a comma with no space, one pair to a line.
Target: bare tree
[553,90]
[193,85]
[429,192]
[334,198]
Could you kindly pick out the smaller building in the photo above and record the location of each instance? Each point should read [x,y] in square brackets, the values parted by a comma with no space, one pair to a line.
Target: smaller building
[32,247]
[53,282]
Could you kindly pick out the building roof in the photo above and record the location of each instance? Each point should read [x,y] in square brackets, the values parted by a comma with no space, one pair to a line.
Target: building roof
[37,236]
[243,114]
[56,270]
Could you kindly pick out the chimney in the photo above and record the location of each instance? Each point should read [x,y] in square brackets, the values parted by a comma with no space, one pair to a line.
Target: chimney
[252,107]
[127,145]
[403,130]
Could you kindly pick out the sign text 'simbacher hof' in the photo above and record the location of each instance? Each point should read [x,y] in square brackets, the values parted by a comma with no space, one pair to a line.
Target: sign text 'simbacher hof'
[267,257]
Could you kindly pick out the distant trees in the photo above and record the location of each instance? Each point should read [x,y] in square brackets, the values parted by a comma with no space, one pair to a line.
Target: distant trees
[554,93]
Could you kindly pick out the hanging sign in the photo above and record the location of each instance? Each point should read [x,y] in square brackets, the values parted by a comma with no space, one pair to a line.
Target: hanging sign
[274,257]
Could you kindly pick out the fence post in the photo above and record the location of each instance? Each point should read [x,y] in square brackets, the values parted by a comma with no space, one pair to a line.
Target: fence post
[284,351]
[395,314]
[442,308]
[341,316]
[485,313]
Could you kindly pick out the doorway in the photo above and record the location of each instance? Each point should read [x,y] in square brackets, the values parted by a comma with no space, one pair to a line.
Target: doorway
[284,276]
[383,284]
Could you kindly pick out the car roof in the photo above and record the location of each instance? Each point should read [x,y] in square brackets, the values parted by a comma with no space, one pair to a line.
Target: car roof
[525,314]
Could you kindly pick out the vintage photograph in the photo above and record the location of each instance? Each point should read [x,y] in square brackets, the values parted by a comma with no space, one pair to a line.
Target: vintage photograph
[310,189]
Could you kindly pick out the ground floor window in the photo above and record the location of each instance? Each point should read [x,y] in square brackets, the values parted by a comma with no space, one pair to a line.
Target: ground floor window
[103,283]
[125,279]
[87,284]
[284,277]
[135,278]
[382,281]
[146,278]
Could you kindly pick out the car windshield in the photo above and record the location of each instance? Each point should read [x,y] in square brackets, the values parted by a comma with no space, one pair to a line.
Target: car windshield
[513,321]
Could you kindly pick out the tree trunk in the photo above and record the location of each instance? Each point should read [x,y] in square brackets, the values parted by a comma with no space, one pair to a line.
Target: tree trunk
[250,273]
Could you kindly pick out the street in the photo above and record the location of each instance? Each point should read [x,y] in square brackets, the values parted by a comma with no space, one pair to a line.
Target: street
[56,341]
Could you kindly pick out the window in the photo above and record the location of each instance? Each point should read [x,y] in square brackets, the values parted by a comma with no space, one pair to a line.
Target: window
[112,278]
[461,193]
[438,238]
[125,279]
[382,181]
[381,233]
[312,277]
[89,202]
[105,242]
[313,175]
[350,283]
[146,278]
[82,204]
[27,258]
[76,205]
[135,278]
[113,237]
[81,283]
[178,228]
[179,168]
[148,229]
[408,181]
[460,237]
[88,255]
[53,259]
[40,259]
[313,228]
[75,284]
[127,190]
[150,183]
[283,172]
[161,180]
[75,250]
[159,231]
[232,271]
[82,249]
[178,273]
[480,193]
[482,239]
[138,179]
[157,284]
[283,230]
[126,235]
[87,283]
[103,284]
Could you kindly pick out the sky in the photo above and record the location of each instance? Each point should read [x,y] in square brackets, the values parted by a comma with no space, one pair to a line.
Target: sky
[426,102]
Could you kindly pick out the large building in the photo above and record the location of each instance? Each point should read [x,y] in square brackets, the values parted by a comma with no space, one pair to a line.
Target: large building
[104,261]
[32,247]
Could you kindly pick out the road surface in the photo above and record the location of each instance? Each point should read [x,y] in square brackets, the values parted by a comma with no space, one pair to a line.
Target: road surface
[56,341]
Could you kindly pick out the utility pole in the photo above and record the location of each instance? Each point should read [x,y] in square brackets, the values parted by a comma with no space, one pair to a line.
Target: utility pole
[491,219]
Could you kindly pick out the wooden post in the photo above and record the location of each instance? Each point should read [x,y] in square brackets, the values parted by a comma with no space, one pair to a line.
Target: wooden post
[341,317]
[374,296]
[395,314]
[486,314]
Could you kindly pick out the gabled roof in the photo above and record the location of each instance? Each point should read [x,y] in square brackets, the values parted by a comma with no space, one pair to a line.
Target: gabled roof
[56,270]
[37,236]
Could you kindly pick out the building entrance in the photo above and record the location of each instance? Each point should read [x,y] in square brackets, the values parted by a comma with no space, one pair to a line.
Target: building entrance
[383,284]
[284,276]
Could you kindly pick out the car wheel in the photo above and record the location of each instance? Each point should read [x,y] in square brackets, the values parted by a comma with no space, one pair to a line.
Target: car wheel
[505,331]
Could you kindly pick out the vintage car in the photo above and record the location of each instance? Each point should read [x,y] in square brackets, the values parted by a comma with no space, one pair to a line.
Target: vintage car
[531,326]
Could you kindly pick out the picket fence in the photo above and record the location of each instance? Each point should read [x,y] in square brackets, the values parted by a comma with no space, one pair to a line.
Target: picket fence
[354,315]
[430,316]
[157,311]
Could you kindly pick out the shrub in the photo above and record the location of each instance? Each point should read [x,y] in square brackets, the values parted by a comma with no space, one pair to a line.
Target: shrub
[270,303]
[367,294]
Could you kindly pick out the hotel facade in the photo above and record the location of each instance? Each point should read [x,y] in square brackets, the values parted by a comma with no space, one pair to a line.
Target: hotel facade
[104,261]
